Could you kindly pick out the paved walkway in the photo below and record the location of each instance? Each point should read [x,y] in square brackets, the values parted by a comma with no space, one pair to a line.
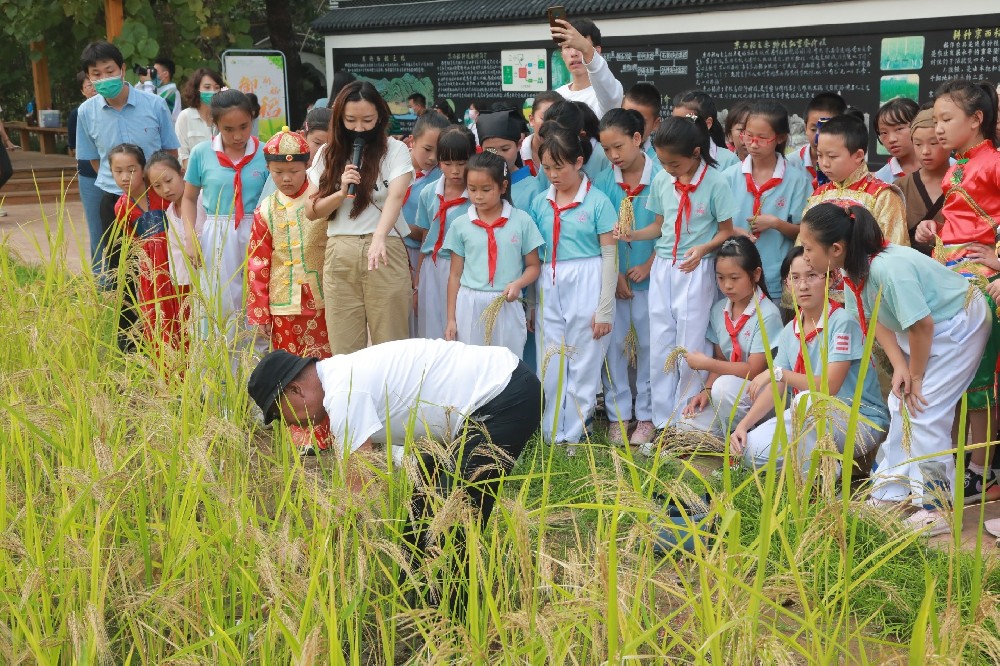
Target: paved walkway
[31,232]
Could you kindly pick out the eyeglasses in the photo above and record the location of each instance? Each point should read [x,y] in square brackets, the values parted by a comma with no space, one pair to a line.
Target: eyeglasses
[808,278]
[759,140]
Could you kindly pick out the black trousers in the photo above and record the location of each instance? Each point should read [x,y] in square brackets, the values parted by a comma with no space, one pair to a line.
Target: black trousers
[6,169]
[494,437]
[113,237]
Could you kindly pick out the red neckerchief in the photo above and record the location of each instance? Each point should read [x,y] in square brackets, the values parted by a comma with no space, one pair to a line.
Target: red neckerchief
[856,289]
[442,217]
[237,178]
[531,167]
[418,175]
[800,362]
[491,240]
[758,193]
[734,330]
[630,193]
[684,206]
[557,224]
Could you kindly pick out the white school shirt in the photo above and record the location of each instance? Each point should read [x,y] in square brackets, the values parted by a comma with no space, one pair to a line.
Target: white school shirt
[786,202]
[376,393]
[724,157]
[605,91]
[891,172]
[395,163]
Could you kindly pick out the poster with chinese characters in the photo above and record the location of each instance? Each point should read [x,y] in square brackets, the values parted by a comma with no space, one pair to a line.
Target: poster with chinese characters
[262,74]
[524,71]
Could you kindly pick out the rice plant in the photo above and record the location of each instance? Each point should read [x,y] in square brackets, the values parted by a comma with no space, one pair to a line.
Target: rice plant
[147,518]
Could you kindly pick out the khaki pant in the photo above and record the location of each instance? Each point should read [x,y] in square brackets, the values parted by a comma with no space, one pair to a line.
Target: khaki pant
[359,300]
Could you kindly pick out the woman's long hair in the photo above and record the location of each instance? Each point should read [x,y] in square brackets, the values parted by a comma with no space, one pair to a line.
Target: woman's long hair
[338,150]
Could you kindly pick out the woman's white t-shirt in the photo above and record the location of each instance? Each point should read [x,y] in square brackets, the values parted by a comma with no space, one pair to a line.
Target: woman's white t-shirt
[395,163]
[191,129]
[376,393]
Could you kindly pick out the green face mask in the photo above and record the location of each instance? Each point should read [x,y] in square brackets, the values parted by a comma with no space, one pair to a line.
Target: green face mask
[206,96]
[110,87]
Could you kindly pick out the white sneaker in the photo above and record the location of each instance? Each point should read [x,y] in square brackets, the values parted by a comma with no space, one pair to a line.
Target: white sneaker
[648,449]
[930,523]
[617,432]
[992,526]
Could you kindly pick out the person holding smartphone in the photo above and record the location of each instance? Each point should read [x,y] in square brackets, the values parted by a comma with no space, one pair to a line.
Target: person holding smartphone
[593,83]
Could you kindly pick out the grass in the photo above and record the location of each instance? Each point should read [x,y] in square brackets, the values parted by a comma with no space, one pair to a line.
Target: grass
[146,519]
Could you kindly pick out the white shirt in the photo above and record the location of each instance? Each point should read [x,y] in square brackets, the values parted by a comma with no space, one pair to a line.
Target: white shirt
[376,393]
[605,91]
[191,130]
[395,163]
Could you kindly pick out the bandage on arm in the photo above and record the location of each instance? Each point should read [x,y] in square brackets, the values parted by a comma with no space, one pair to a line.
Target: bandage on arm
[609,281]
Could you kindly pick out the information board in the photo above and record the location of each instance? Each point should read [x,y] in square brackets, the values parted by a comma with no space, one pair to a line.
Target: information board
[261,73]
[868,68]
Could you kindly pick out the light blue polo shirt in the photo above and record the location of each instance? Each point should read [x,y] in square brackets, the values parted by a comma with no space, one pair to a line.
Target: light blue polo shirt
[637,252]
[427,216]
[524,191]
[216,181]
[516,238]
[711,204]
[594,167]
[913,286]
[842,342]
[750,338]
[579,227]
[786,202]
[144,120]
[413,202]
[724,157]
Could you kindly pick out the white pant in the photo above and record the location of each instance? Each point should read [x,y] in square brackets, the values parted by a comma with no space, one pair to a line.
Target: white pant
[222,276]
[718,418]
[510,330]
[413,253]
[804,438]
[569,359]
[679,307]
[432,302]
[617,374]
[956,350]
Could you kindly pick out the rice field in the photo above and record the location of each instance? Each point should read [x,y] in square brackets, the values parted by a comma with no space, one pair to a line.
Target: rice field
[145,518]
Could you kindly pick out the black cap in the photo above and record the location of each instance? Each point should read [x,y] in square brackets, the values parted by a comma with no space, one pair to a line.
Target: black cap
[274,372]
[499,124]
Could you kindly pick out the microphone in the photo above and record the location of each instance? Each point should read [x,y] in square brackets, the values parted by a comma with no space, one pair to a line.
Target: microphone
[359,145]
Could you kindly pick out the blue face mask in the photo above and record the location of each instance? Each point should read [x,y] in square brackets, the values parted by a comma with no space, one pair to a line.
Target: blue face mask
[110,87]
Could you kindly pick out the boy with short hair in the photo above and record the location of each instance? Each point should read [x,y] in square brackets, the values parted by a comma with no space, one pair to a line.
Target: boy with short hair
[647,100]
[841,155]
[529,148]
[822,107]
[285,266]
[593,83]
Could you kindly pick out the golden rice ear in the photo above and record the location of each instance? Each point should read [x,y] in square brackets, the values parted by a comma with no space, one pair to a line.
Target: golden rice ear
[490,316]
[673,357]
[626,217]
[631,345]
[907,427]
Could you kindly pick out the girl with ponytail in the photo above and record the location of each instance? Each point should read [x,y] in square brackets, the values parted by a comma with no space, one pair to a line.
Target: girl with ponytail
[930,328]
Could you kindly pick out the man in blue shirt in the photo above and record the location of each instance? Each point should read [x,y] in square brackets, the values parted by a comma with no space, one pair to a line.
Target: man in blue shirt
[118,113]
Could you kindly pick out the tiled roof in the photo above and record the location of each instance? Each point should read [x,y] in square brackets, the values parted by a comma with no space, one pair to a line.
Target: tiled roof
[361,15]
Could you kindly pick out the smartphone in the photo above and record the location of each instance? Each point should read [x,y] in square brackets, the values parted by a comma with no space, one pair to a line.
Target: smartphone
[556,14]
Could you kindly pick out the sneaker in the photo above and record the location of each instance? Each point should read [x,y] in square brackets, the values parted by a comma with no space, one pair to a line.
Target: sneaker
[3,213]
[617,433]
[307,451]
[992,526]
[930,523]
[643,433]
[979,490]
